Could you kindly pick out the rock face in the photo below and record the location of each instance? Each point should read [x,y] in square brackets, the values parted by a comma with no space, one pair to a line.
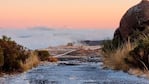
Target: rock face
[135,19]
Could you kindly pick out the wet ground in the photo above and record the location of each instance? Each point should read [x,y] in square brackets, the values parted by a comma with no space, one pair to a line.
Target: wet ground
[84,73]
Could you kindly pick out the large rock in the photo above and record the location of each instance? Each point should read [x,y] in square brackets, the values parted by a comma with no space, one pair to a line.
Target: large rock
[134,20]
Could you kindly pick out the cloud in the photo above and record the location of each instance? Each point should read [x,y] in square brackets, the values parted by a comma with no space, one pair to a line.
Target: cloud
[35,38]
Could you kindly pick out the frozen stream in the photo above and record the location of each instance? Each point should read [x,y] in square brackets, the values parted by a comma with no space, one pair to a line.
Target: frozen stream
[86,73]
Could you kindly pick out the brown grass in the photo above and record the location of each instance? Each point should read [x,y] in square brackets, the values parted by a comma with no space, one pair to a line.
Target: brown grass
[137,72]
[31,62]
[116,59]
[52,59]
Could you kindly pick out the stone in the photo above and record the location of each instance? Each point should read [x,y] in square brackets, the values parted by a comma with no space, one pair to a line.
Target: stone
[134,20]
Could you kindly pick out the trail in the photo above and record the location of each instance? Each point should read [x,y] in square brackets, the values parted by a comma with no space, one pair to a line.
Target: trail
[85,73]
[80,73]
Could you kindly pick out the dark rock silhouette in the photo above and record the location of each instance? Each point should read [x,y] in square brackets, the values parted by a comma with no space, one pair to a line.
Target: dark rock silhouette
[92,42]
[134,20]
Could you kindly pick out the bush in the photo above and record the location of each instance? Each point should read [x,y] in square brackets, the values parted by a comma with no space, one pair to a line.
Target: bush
[141,53]
[13,54]
[43,54]
[111,45]
[1,57]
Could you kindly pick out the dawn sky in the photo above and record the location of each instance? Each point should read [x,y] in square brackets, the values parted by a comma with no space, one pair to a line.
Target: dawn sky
[63,13]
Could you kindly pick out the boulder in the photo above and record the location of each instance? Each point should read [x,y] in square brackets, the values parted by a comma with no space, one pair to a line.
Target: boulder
[135,20]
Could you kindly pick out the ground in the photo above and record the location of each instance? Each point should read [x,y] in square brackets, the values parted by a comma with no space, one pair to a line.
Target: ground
[73,71]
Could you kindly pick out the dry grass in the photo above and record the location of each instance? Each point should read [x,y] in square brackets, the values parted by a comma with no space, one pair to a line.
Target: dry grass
[116,58]
[31,62]
[137,72]
[52,59]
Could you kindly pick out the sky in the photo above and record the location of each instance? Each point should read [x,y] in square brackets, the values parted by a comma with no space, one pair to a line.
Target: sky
[76,14]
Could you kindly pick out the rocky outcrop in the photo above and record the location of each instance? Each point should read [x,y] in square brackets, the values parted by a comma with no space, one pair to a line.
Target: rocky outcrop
[92,42]
[134,20]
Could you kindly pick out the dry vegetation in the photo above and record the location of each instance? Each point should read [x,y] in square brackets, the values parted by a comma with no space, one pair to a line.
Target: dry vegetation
[16,58]
[52,59]
[130,56]
[115,59]
[31,62]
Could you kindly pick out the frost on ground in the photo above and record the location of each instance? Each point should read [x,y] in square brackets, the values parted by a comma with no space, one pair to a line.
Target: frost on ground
[85,73]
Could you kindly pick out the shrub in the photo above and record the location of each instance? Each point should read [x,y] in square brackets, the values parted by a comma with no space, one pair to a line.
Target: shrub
[1,58]
[14,55]
[111,45]
[43,54]
[141,53]
[70,44]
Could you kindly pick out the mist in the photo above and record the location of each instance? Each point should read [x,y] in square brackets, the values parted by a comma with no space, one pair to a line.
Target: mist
[40,37]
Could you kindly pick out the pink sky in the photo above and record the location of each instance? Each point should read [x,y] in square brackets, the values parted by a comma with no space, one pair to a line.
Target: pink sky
[63,13]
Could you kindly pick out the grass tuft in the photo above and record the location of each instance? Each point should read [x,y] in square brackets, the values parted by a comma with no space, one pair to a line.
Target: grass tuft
[30,62]
[116,59]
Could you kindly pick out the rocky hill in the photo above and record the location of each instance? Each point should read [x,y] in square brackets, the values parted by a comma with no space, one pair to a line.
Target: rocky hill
[134,21]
